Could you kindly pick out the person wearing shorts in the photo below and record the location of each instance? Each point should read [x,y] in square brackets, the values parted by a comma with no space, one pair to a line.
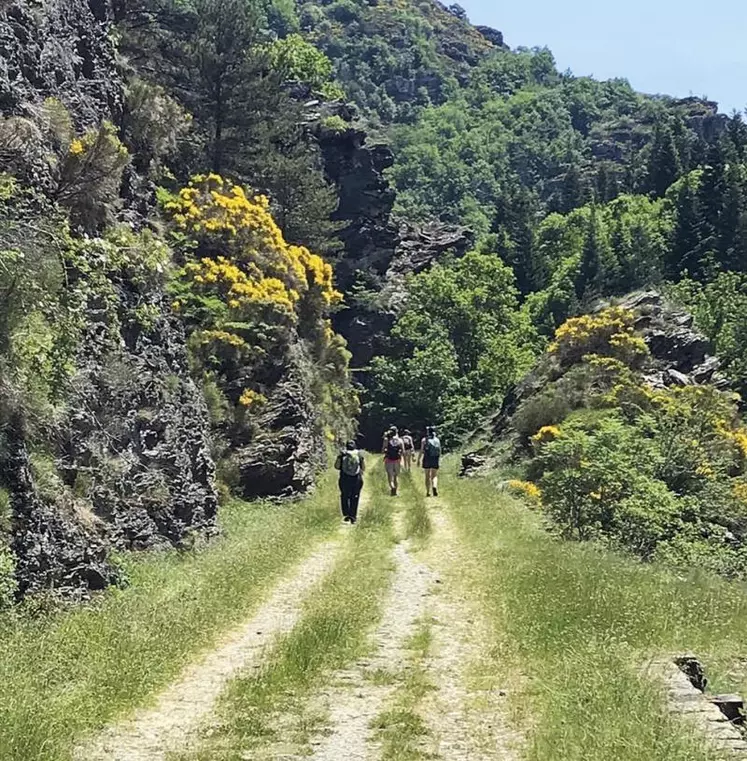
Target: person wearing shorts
[393,452]
[409,450]
[430,457]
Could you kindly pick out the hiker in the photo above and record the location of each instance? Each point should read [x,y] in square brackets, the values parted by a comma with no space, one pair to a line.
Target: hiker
[394,449]
[351,465]
[430,456]
[409,445]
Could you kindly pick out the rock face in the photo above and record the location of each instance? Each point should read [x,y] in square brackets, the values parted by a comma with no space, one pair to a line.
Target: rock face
[681,356]
[379,251]
[137,436]
[128,465]
[287,452]
[55,546]
[61,50]
[493,36]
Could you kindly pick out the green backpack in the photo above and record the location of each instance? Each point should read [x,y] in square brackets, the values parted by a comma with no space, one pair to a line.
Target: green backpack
[351,463]
[433,447]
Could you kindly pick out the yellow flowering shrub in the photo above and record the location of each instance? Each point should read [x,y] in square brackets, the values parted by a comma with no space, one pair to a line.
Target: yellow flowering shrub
[526,489]
[242,288]
[77,147]
[232,229]
[609,333]
[250,398]
[546,433]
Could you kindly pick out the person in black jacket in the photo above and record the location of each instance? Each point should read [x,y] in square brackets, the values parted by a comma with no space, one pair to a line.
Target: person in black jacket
[351,464]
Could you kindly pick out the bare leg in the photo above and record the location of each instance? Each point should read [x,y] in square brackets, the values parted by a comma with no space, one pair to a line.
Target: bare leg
[428,482]
[434,481]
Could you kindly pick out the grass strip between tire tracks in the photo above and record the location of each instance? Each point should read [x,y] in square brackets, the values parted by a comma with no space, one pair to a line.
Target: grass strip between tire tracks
[69,673]
[332,632]
[400,728]
[418,526]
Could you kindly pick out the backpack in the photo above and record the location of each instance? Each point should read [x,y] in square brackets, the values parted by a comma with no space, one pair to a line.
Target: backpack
[394,448]
[350,464]
[433,447]
[407,440]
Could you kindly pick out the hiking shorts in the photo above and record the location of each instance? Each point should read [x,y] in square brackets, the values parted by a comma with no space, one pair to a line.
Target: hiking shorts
[431,463]
[393,467]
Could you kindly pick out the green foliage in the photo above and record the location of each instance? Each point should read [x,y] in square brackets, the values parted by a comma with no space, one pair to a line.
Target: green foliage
[720,310]
[393,57]
[660,473]
[296,59]
[460,344]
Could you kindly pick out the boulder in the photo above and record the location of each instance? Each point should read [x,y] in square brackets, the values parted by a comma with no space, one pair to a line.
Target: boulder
[288,449]
[493,36]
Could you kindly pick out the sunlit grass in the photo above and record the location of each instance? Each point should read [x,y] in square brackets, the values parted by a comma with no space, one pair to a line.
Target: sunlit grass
[576,623]
[68,673]
[332,632]
[400,728]
[418,526]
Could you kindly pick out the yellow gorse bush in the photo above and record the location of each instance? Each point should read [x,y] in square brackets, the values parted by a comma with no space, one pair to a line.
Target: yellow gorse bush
[526,489]
[609,333]
[250,398]
[77,147]
[546,433]
[245,251]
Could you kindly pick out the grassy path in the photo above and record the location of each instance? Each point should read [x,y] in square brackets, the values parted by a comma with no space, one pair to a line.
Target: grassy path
[453,628]
[277,712]
[185,704]
[573,625]
[67,674]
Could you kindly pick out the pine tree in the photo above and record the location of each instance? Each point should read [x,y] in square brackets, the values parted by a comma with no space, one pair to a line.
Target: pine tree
[737,131]
[684,251]
[731,220]
[572,194]
[590,269]
[664,165]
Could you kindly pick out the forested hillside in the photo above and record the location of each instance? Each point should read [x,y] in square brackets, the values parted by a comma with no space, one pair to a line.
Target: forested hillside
[211,210]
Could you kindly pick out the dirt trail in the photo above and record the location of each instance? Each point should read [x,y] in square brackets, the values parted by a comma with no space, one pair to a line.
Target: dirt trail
[355,701]
[179,711]
[466,713]
[467,722]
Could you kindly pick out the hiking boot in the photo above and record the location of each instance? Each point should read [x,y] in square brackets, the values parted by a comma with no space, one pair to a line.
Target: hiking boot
[435,492]
[393,492]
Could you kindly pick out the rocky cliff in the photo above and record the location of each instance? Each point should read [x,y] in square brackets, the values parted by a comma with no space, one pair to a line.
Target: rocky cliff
[124,461]
[379,250]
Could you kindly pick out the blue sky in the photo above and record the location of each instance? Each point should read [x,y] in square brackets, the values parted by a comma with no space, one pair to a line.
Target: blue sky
[677,47]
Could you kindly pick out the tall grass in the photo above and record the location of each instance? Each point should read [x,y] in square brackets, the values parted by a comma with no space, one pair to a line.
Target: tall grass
[332,632]
[578,622]
[69,673]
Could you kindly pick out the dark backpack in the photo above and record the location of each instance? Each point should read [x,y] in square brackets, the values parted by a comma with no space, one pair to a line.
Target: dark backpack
[433,447]
[407,440]
[351,463]
[394,448]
